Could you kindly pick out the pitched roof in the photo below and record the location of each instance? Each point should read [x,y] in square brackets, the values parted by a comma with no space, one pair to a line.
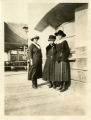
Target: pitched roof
[15,36]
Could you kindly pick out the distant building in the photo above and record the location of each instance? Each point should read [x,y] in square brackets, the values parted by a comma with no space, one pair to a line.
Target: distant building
[16,44]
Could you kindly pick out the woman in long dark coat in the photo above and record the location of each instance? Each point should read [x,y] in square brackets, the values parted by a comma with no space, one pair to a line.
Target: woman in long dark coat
[49,68]
[35,60]
[62,66]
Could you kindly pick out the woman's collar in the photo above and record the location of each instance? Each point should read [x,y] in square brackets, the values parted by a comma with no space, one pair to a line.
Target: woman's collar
[52,44]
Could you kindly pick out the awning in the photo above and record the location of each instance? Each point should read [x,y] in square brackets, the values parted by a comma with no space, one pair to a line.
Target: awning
[60,14]
[15,36]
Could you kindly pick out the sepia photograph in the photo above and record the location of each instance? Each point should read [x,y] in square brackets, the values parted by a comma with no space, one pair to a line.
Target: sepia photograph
[45,58]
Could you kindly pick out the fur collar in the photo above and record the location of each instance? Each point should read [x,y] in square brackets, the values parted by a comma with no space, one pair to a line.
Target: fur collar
[60,41]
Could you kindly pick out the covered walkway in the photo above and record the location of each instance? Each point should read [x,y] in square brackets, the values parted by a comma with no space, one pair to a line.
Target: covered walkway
[22,99]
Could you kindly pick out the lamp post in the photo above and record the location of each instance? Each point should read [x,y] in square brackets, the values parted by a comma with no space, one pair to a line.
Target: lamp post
[26,28]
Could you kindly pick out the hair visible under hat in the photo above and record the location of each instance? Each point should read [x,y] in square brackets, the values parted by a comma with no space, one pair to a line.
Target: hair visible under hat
[60,32]
[36,37]
[52,38]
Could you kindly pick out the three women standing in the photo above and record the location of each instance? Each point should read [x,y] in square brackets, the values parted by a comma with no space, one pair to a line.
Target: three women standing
[35,61]
[57,67]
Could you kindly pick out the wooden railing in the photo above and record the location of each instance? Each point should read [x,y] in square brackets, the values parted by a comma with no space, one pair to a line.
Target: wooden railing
[22,65]
[15,65]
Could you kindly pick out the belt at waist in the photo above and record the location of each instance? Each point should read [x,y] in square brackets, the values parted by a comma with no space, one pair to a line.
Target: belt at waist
[50,57]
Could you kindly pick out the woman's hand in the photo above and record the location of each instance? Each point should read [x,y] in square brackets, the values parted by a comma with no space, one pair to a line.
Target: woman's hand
[31,62]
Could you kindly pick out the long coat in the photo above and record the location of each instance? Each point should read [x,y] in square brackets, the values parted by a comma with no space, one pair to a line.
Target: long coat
[49,68]
[62,66]
[35,71]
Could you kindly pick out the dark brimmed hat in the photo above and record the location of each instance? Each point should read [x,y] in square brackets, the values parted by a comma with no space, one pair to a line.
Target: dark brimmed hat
[51,38]
[60,32]
[36,37]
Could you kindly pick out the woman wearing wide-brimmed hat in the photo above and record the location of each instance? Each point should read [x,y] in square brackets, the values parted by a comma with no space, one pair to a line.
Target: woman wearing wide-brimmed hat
[49,68]
[35,60]
[62,67]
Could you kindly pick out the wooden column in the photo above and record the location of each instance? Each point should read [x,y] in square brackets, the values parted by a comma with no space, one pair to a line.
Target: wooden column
[17,55]
[9,55]
[24,49]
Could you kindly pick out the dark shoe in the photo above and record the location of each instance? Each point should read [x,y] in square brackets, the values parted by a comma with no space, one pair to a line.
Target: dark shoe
[34,83]
[54,86]
[59,88]
[63,89]
[33,86]
[50,86]
[36,86]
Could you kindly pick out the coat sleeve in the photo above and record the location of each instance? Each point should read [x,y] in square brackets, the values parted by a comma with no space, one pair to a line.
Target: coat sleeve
[66,49]
[30,52]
